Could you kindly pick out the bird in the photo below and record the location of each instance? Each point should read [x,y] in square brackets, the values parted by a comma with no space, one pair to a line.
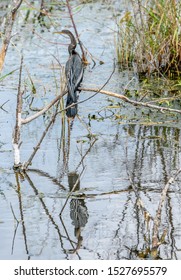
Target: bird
[74,74]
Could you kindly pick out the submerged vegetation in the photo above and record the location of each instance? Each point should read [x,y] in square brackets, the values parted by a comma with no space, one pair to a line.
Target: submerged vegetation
[149,37]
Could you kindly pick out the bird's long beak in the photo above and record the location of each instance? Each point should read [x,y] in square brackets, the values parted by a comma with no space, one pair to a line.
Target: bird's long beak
[58,32]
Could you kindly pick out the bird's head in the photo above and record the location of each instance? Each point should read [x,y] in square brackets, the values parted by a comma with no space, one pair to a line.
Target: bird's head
[73,43]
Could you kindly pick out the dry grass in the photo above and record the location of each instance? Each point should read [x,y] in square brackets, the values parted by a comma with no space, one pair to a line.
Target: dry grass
[150,37]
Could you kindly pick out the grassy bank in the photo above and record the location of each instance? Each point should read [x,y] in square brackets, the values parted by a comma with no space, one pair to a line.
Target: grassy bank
[149,37]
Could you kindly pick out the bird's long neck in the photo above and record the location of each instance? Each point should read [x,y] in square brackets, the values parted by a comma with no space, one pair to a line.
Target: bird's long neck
[72,39]
[71,49]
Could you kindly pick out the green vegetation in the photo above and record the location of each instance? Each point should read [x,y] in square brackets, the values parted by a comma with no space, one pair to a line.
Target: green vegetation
[149,36]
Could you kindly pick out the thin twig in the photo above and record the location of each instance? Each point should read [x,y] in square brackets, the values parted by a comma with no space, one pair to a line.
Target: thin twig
[17,176]
[68,237]
[48,213]
[72,190]
[157,219]
[1,107]
[85,125]
[26,164]
[8,26]
[16,7]
[47,175]
[17,129]
[83,157]
[77,35]
[14,214]
[46,108]
[41,10]
[98,90]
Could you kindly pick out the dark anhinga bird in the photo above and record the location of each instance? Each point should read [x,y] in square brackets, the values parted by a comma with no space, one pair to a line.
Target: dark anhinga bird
[74,74]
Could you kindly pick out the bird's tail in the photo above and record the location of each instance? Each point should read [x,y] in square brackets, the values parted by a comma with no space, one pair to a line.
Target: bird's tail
[72,111]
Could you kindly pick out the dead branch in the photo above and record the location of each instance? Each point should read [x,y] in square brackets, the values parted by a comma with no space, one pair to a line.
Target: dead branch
[20,121]
[74,187]
[86,126]
[133,102]
[157,219]
[26,164]
[17,129]
[77,35]
[46,108]
[47,212]
[17,4]
[9,22]
[17,177]
[1,106]
[139,201]
[47,175]
[14,214]
[69,239]
[86,153]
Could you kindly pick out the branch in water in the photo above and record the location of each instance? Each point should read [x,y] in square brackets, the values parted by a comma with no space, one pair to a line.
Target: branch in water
[157,219]
[46,108]
[17,129]
[133,102]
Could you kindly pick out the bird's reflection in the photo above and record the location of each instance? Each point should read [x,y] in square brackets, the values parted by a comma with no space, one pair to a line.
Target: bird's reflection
[78,209]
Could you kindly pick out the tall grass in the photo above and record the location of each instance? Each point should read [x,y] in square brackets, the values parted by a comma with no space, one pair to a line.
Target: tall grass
[149,36]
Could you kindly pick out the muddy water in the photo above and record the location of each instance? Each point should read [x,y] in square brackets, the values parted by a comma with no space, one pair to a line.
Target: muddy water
[123,162]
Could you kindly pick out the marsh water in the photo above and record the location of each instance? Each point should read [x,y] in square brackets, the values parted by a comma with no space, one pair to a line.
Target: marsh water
[118,156]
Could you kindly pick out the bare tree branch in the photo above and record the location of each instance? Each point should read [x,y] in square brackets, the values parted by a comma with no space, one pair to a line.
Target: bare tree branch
[133,102]
[1,107]
[16,6]
[25,165]
[157,219]
[70,193]
[10,18]
[17,129]
[46,108]
[77,35]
